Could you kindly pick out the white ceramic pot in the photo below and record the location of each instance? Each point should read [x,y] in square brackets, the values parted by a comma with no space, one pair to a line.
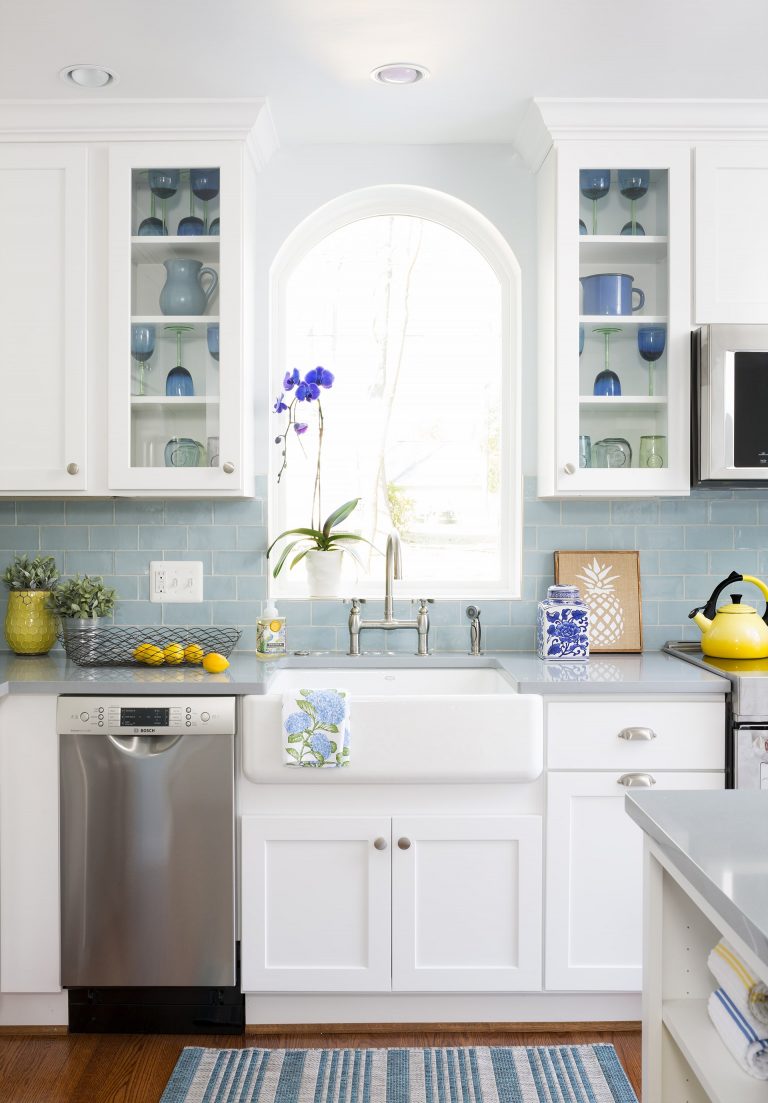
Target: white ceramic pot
[324,573]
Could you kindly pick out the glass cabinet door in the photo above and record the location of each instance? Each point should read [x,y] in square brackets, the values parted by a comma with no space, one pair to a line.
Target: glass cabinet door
[175,382]
[623,319]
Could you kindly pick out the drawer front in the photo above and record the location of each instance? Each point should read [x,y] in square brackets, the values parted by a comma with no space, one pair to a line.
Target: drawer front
[608,735]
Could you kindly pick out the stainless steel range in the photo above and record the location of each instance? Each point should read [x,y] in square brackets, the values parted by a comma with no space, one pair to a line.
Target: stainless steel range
[747,746]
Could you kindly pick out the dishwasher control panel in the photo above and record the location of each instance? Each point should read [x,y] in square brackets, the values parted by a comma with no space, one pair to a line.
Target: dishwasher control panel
[137,715]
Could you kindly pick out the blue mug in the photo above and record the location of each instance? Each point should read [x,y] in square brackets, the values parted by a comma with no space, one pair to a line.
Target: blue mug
[610,293]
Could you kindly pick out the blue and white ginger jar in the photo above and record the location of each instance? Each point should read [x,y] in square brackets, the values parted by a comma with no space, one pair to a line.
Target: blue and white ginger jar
[562,627]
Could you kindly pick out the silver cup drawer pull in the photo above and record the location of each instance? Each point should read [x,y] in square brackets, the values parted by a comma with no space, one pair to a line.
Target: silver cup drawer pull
[639,735]
[636,781]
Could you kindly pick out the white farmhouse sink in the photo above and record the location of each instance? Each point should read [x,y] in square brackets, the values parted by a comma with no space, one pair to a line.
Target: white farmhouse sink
[407,725]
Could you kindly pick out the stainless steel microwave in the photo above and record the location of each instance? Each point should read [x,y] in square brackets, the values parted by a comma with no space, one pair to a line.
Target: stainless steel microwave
[729,406]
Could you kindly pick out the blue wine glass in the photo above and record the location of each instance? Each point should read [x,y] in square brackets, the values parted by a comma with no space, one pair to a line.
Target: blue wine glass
[142,347]
[633,185]
[581,339]
[164,183]
[205,184]
[191,225]
[651,342]
[215,228]
[582,227]
[594,184]
[213,341]
[178,382]
[152,226]
[607,382]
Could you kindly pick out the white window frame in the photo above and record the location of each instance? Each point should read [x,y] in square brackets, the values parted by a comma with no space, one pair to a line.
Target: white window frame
[478,231]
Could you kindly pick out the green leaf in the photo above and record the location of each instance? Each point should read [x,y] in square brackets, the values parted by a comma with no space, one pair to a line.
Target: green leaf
[283,556]
[306,707]
[332,728]
[305,692]
[318,756]
[334,747]
[312,533]
[298,738]
[339,515]
[293,753]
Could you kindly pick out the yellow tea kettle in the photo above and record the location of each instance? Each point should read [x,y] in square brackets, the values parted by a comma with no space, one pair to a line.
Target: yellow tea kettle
[733,631]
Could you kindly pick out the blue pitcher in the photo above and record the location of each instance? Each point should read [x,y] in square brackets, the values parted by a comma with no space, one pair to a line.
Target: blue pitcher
[183,292]
[610,293]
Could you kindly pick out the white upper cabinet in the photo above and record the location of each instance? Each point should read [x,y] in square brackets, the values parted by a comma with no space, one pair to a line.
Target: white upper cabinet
[731,274]
[44,199]
[614,319]
[176,258]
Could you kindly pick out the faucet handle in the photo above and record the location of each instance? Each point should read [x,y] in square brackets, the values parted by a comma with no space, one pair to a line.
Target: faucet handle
[356,603]
[424,602]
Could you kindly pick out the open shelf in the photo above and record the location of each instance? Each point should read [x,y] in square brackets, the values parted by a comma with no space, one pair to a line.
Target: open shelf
[154,250]
[722,1078]
[148,400]
[623,321]
[175,319]
[617,403]
[605,248]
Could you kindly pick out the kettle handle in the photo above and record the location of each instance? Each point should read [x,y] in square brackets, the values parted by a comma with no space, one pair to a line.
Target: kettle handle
[761,586]
[709,609]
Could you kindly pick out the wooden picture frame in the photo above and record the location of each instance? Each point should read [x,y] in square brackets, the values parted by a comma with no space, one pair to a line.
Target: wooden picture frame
[609,585]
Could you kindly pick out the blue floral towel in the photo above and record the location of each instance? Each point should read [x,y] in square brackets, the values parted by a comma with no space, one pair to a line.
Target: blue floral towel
[316,728]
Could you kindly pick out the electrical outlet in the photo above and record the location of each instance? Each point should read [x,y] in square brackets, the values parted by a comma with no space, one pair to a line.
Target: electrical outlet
[175,581]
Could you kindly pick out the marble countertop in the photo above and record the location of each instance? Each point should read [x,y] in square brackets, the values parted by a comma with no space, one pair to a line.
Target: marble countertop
[652,672]
[719,842]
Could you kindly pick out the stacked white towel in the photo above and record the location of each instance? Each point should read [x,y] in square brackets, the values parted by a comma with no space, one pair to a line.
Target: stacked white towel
[316,728]
[731,1009]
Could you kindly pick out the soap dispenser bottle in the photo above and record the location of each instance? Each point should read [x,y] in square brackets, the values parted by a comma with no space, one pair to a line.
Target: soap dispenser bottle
[270,634]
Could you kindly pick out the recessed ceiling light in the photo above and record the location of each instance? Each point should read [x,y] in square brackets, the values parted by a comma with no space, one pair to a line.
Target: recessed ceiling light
[400,72]
[88,76]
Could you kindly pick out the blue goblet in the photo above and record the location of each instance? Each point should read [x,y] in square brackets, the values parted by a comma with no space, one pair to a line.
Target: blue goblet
[152,226]
[651,342]
[142,347]
[178,382]
[594,184]
[215,228]
[164,183]
[607,382]
[633,185]
[205,184]
[581,339]
[191,225]
[213,340]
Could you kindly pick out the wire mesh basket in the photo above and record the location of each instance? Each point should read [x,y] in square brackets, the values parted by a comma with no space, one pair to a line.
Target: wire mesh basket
[115,644]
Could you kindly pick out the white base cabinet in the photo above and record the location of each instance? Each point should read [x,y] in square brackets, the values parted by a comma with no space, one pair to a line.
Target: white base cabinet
[412,904]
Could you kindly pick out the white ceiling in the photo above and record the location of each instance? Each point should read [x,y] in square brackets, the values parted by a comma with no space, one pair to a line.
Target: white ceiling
[311,58]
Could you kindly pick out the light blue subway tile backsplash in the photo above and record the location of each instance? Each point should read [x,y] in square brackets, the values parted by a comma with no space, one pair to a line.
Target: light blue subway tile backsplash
[686,546]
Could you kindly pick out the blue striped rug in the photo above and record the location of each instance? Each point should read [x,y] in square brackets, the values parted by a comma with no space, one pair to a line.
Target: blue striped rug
[496,1074]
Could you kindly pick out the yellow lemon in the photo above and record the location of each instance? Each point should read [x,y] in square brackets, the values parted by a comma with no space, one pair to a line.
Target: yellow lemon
[153,656]
[141,652]
[275,625]
[214,663]
[174,654]
[193,653]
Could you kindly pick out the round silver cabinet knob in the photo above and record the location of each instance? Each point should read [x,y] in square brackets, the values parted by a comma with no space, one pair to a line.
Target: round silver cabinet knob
[73,468]
[569,468]
[404,843]
[228,468]
[380,844]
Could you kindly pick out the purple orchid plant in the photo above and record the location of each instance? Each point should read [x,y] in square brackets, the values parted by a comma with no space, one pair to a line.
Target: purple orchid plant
[300,395]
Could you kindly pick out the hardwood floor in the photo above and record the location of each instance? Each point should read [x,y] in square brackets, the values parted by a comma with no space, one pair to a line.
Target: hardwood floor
[134,1068]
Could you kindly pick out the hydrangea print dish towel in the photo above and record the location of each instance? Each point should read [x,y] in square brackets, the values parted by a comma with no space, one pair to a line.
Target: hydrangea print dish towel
[316,728]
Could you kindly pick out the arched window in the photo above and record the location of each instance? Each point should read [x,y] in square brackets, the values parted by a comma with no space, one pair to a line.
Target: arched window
[411,298]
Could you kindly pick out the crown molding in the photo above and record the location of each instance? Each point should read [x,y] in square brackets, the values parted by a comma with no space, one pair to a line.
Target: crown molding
[117,120]
[552,120]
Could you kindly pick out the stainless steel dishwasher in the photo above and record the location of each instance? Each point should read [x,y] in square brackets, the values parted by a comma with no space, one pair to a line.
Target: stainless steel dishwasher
[147,843]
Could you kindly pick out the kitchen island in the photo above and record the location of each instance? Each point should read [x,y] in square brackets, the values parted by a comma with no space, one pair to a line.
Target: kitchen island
[705,877]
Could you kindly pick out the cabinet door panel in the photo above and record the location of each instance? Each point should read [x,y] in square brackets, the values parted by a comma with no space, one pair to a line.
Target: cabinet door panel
[467,904]
[43,194]
[315,904]
[731,280]
[29,845]
[593,931]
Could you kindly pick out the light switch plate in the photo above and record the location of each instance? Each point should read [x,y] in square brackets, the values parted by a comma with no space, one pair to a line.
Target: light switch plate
[175,581]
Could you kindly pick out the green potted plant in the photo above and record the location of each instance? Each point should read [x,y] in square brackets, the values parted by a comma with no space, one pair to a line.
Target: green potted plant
[30,626]
[320,545]
[80,602]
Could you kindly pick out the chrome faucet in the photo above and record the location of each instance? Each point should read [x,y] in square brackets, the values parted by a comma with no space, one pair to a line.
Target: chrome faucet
[393,570]
[475,631]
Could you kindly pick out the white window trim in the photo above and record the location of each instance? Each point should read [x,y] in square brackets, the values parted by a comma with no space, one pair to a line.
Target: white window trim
[475,228]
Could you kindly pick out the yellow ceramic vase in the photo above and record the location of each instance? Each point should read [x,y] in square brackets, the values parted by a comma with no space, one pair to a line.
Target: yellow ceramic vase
[30,626]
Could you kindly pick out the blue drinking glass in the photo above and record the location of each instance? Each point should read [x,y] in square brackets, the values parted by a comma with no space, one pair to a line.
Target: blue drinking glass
[651,342]
[213,341]
[633,185]
[142,347]
[205,184]
[594,184]
[164,183]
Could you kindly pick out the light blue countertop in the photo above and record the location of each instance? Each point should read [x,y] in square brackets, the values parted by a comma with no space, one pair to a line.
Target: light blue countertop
[719,842]
[652,672]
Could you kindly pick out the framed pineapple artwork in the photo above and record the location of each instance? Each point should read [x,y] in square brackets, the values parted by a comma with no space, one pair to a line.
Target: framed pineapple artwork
[609,585]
